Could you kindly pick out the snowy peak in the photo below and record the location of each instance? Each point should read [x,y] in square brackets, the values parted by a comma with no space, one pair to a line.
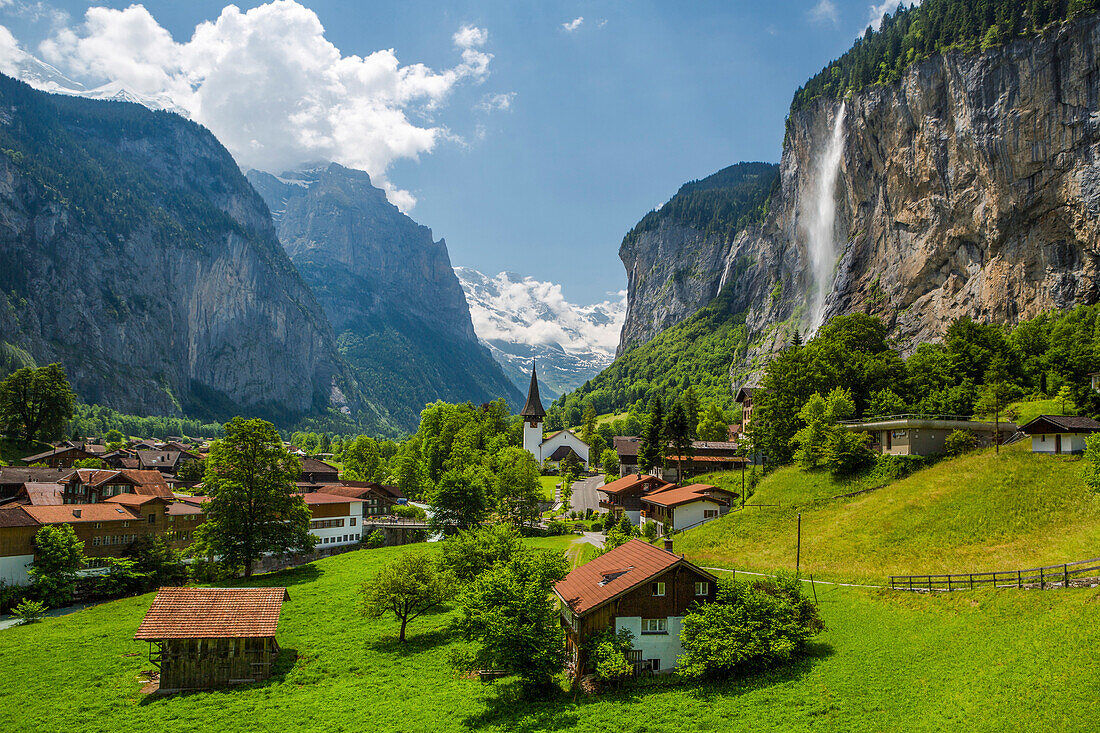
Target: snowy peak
[521,318]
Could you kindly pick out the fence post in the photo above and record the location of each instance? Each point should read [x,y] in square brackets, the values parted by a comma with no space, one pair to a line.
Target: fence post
[1042,585]
[1019,579]
[972,582]
[1065,573]
[949,582]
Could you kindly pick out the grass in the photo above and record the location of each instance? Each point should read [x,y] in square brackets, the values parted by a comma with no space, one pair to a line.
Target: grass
[1025,412]
[980,512]
[12,450]
[902,662]
[548,483]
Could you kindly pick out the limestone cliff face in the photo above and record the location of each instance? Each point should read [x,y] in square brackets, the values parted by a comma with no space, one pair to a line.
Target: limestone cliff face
[133,250]
[387,286]
[969,188]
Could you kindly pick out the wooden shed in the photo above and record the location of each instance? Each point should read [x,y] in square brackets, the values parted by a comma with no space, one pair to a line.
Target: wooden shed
[201,638]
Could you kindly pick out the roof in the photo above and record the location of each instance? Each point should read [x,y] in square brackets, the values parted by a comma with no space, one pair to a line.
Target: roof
[626,445]
[562,451]
[354,492]
[713,445]
[679,495]
[182,508]
[708,459]
[312,465]
[213,613]
[1061,424]
[317,497]
[99,476]
[614,573]
[44,493]
[136,499]
[745,392]
[533,407]
[16,516]
[158,457]
[73,513]
[55,452]
[151,483]
[20,475]
[633,482]
[391,490]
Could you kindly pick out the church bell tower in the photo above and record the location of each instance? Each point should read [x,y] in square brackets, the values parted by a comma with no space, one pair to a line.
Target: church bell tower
[533,415]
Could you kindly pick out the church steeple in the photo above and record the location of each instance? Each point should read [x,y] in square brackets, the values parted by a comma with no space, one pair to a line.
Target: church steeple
[533,411]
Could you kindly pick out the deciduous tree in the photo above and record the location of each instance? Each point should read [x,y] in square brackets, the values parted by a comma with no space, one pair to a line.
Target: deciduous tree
[58,555]
[36,404]
[407,587]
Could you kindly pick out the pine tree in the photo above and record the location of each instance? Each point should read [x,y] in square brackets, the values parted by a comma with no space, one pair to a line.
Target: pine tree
[651,450]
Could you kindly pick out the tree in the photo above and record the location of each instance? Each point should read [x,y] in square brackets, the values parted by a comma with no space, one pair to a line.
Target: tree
[609,461]
[651,448]
[192,470]
[846,452]
[822,440]
[609,653]
[1090,469]
[518,491]
[37,404]
[886,402]
[114,436]
[375,540]
[690,403]
[58,555]
[408,587]
[253,508]
[588,426]
[959,442]
[461,499]
[1064,395]
[469,554]
[678,434]
[508,615]
[157,562]
[362,460]
[713,425]
[756,625]
[90,463]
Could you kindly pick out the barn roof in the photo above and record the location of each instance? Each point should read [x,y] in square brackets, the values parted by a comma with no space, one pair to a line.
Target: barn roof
[634,482]
[626,446]
[614,573]
[1061,424]
[312,465]
[213,613]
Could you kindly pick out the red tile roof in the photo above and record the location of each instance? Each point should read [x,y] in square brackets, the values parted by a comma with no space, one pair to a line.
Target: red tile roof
[632,482]
[612,574]
[150,483]
[15,515]
[680,495]
[213,613]
[99,476]
[136,499]
[318,498]
[354,492]
[73,513]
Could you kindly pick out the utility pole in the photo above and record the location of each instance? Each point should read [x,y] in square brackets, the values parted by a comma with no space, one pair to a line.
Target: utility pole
[798,551]
[743,484]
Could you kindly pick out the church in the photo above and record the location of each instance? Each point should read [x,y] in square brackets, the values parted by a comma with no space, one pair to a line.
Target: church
[552,448]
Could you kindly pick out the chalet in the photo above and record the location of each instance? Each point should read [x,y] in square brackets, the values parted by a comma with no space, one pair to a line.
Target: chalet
[745,399]
[92,485]
[337,520]
[635,586]
[202,638]
[545,448]
[681,507]
[377,499]
[624,496]
[165,461]
[17,529]
[38,493]
[317,472]
[13,478]
[925,435]
[120,459]
[1060,434]
[707,456]
[62,457]
[626,447]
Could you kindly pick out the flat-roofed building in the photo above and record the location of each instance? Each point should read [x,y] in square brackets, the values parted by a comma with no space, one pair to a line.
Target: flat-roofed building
[925,435]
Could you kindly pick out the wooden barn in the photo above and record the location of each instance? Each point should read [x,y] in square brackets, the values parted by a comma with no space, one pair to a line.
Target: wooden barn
[201,638]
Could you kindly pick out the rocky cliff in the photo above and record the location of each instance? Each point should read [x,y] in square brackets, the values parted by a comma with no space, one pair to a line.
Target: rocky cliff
[387,287]
[133,250]
[970,187]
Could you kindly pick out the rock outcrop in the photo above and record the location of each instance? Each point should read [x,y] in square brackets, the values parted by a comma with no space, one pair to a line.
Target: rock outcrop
[133,251]
[388,289]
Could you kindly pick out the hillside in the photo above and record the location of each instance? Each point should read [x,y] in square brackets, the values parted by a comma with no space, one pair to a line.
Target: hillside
[981,512]
[885,662]
[387,287]
[133,251]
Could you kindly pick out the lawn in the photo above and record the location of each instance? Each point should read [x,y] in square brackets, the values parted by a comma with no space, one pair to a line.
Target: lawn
[980,512]
[12,450]
[888,661]
[548,483]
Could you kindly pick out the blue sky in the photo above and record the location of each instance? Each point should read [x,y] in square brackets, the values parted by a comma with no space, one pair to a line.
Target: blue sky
[603,120]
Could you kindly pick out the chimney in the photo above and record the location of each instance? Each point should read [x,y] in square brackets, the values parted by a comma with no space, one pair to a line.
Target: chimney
[76,513]
[668,544]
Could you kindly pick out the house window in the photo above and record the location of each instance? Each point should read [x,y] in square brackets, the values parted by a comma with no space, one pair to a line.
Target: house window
[658,589]
[97,525]
[651,665]
[702,588]
[152,519]
[654,625]
[353,521]
[710,513]
[1042,438]
[97,541]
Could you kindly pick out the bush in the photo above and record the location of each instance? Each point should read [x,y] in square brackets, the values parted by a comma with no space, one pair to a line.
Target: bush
[375,539]
[597,526]
[556,528]
[755,625]
[29,611]
[651,530]
[895,468]
[960,442]
[609,654]
[409,511]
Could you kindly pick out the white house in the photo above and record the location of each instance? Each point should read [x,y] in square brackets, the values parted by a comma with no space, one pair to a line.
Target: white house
[555,447]
[1060,434]
[336,519]
[681,507]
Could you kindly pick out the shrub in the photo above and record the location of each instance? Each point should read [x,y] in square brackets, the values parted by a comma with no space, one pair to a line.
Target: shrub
[651,530]
[895,468]
[755,625]
[375,539]
[409,511]
[556,528]
[609,654]
[1090,467]
[960,442]
[597,526]
[29,611]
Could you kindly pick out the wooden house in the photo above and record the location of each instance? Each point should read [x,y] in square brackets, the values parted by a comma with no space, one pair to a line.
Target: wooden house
[62,457]
[682,507]
[202,638]
[635,586]
[623,497]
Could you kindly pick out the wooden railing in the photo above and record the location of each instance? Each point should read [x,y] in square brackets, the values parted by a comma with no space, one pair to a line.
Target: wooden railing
[1049,576]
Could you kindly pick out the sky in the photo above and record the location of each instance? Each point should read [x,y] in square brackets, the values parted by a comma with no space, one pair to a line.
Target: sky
[531,136]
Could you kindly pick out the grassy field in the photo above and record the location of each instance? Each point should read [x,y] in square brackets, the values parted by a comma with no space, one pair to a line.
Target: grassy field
[548,484]
[1026,411]
[904,662]
[12,450]
[979,512]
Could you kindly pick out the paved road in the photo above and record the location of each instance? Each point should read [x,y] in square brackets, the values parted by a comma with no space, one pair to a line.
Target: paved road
[585,496]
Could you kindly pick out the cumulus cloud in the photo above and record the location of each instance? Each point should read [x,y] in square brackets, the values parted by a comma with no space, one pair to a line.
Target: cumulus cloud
[574,24]
[272,87]
[522,310]
[879,11]
[824,11]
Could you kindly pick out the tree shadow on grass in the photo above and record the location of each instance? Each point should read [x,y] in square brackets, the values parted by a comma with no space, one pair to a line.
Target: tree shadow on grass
[510,709]
[282,666]
[415,643]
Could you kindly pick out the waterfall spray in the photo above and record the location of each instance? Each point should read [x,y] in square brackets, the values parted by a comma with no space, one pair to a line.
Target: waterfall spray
[820,229]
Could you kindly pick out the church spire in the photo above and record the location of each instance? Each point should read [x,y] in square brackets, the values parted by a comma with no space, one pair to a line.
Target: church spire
[533,409]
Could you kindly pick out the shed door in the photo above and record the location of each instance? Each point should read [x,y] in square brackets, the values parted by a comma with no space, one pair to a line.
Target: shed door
[1058,443]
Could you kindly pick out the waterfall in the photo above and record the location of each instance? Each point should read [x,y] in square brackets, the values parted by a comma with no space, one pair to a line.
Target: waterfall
[821,226]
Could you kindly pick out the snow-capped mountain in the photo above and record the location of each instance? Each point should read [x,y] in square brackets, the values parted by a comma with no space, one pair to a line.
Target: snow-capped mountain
[520,319]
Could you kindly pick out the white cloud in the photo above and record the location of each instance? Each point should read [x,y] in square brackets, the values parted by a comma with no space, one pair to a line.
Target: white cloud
[495,102]
[879,11]
[272,88]
[574,24]
[824,11]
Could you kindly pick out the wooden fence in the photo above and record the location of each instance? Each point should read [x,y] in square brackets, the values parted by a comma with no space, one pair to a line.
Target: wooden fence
[1050,576]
